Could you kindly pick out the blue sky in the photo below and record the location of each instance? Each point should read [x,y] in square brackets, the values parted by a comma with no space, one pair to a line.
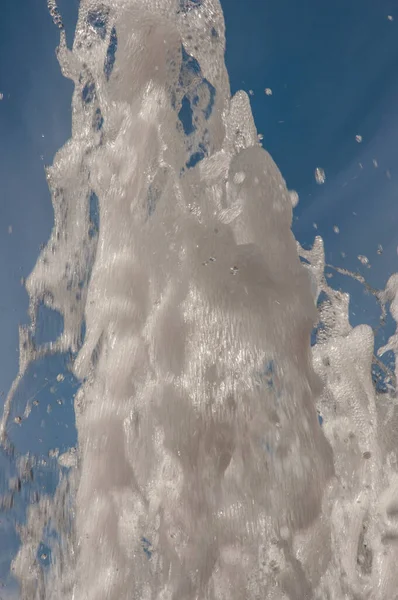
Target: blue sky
[333,71]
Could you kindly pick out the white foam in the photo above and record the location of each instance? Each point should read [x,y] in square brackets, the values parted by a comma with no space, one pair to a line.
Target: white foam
[202,470]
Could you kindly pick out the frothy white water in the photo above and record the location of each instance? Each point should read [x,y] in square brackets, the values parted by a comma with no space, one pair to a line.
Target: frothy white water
[203,472]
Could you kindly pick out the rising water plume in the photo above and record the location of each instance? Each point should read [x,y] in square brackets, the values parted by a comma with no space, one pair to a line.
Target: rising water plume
[220,457]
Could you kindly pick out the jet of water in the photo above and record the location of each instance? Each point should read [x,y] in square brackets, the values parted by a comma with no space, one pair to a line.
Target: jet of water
[203,471]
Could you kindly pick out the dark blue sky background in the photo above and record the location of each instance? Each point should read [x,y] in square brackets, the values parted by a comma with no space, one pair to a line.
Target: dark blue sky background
[333,71]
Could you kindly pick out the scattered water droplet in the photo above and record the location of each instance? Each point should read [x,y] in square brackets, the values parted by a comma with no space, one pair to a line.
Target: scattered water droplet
[379,249]
[363,259]
[315,226]
[18,420]
[1,96]
[358,138]
[54,12]
[375,163]
[251,92]
[60,377]
[268,92]
[294,197]
[320,176]
[10,229]
[234,270]
[390,18]
[336,229]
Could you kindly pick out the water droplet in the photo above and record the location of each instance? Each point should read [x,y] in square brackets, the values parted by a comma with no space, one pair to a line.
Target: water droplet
[60,377]
[1,96]
[294,198]
[358,138]
[10,229]
[390,18]
[251,92]
[320,176]
[268,92]
[234,270]
[53,8]
[379,249]
[315,226]
[375,163]
[363,259]
[18,420]
[336,229]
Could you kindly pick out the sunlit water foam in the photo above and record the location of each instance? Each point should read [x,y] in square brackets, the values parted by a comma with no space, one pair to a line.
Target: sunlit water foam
[203,470]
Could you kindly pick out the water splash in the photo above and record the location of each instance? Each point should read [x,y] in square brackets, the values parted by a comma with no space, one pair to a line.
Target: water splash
[220,456]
